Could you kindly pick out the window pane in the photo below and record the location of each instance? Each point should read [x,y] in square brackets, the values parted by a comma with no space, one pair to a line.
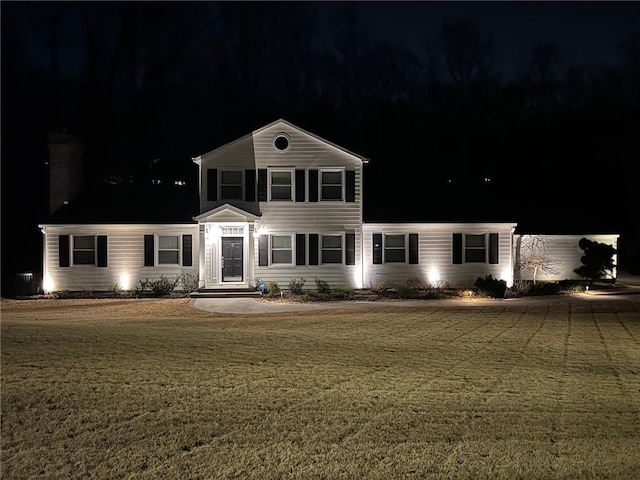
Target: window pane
[331,241]
[333,192]
[280,193]
[394,255]
[395,241]
[474,240]
[281,242]
[332,256]
[168,242]
[168,257]
[281,256]
[474,255]
[332,178]
[231,192]
[280,178]
[83,257]
[84,242]
[231,177]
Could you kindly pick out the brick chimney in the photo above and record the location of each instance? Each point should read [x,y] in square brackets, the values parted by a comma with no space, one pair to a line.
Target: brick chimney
[65,168]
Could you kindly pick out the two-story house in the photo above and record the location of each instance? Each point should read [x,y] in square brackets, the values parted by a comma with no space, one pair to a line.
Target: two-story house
[277,204]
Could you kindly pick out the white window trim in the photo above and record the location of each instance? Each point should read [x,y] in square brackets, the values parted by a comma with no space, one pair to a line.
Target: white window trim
[342,184]
[485,247]
[72,239]
[292,172]
[157,249]
[405,247]
[293,249]
[242,186]
[342,248]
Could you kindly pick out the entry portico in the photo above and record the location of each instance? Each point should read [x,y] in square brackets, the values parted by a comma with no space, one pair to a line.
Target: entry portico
[227,259]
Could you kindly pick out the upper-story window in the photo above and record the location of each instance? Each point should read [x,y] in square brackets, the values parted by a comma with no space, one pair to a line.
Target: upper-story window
[281,184]
[331,184]
[231,185]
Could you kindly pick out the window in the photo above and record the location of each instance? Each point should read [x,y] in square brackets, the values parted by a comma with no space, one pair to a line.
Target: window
[281,142]
[231,185]
[331,249]
[281,184]
[331,185]
[475,248]
[394,249]
[168,250]
[281,249]
[84,250]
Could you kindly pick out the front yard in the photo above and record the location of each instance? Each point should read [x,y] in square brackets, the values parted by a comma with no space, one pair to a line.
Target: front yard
[152,388]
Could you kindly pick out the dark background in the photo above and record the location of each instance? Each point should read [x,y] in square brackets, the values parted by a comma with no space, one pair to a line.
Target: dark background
[526,112]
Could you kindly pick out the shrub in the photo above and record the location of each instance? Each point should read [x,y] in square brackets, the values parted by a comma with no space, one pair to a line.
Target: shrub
[521,288]
[61,294]
[491,287]
[322,286]
[273,288]
[296,285]
[375,285]
[571,286]
[415,283]
[161,287]
[190,282]
[115,288]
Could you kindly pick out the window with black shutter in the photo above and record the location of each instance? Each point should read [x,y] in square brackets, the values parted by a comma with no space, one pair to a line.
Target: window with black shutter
[300,185]
[250,185]
[187,250]
[262,185]
[263,251]
[313,185]
[493,248]
[350,194]
[350,248]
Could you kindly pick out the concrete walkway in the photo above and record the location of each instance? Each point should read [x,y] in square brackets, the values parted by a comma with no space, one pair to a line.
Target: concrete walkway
[630,284]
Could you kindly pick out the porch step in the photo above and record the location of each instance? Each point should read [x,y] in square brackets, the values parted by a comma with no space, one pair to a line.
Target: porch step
[226,293]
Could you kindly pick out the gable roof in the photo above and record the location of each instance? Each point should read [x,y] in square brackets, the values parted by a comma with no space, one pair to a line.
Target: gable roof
[198,159]
[227,209]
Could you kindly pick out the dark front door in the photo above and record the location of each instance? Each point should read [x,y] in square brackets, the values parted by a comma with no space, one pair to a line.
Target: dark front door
[231,259]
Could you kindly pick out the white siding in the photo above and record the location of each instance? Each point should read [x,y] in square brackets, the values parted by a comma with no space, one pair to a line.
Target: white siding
[562,251]
[125,256]
[435,245]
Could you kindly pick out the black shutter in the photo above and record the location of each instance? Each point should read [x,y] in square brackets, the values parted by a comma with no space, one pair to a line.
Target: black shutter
[350,241]
[300,186]
[102,250]
[149,254]
[63,250]
[313,248]
[300,249]
[212,184]
[493,248]
[313,186]
[187,249]
[377,248]
[413,248]
[250,185]
[351,186]
[457,248]
[263,251]
[262,184]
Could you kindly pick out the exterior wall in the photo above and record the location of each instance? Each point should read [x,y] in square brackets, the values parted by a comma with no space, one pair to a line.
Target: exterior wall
[435,246]
[305,152]
[125,255]
[562,250]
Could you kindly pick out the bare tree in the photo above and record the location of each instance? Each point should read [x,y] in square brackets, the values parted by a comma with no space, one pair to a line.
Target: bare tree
[531,255]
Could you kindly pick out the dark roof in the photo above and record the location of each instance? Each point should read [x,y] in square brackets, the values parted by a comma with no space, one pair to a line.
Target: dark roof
[106,203]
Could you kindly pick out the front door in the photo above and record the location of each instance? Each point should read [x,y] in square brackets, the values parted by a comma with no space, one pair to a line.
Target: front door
[232,259]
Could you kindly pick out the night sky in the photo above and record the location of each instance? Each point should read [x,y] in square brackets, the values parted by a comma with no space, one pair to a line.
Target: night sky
[541,98]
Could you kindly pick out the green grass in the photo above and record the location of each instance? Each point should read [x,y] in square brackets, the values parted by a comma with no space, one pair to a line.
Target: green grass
[149,389]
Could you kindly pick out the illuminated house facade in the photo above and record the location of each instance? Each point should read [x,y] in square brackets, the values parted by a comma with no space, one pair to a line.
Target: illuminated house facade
[277,204]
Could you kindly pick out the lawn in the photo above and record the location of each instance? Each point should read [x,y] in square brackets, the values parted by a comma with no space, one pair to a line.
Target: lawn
[154,389]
